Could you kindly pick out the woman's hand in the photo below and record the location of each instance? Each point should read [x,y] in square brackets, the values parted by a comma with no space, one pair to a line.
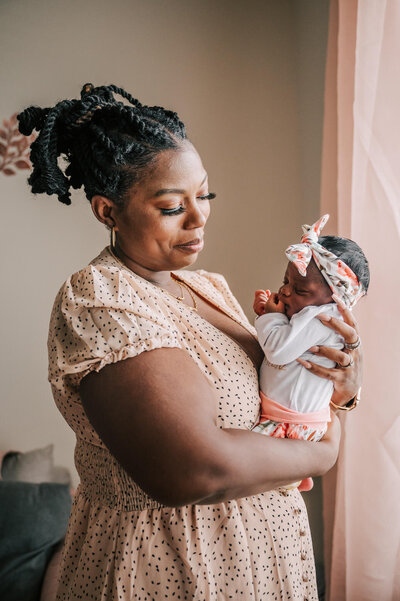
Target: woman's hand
[347,374]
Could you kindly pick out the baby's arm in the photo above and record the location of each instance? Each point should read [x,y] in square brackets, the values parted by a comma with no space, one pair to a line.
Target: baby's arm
[284,341]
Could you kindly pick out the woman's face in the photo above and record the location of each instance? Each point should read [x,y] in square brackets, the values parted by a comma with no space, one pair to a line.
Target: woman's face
[161,227]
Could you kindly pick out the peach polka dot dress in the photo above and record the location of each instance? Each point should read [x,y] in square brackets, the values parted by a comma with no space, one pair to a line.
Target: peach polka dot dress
[121,544]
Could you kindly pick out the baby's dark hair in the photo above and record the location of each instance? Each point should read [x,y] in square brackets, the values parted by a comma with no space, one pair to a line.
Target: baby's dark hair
[107,144]
[351,254]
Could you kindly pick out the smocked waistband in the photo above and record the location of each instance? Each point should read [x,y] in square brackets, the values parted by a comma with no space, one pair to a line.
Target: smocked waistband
[105,482]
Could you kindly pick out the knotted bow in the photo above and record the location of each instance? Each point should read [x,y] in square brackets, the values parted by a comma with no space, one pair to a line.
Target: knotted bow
[340,278]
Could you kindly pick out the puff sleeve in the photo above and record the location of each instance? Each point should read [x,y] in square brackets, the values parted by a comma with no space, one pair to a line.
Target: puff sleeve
[101,316]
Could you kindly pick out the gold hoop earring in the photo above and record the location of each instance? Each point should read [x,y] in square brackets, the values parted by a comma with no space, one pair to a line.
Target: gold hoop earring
[113,238]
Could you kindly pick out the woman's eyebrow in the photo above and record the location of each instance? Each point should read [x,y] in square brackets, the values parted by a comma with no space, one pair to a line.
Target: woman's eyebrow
[175,190]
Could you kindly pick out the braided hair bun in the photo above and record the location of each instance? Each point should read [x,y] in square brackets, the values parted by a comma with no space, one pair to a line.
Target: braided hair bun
[107,144]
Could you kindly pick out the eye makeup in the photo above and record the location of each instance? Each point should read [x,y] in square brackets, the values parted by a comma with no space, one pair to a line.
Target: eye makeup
[209,196]
[181,209]
[176,211]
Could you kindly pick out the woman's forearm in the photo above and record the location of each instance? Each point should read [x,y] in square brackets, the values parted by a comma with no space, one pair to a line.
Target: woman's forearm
[256,463]
[173,448]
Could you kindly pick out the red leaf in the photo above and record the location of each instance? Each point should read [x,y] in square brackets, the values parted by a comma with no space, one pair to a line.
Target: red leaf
[8,171]
[22,145]
[15,138]
[3,150]
[21,164]
[3,134]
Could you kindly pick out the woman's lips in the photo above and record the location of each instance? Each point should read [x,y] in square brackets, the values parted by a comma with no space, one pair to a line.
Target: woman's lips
[194,246]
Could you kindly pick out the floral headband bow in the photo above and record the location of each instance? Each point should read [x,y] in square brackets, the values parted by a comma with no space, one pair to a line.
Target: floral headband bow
[340,278]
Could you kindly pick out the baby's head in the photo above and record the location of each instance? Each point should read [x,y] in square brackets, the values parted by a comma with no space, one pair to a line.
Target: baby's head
[298,291]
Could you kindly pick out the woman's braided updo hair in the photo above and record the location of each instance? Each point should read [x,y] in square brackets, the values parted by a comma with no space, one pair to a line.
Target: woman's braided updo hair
[107,144]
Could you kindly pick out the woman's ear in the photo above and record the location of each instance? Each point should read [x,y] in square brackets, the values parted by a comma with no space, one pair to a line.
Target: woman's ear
[104,210]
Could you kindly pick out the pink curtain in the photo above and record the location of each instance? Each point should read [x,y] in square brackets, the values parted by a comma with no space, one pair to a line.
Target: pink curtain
[361,190]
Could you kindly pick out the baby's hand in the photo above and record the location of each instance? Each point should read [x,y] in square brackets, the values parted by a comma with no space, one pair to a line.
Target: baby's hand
[274,305]
[261,298]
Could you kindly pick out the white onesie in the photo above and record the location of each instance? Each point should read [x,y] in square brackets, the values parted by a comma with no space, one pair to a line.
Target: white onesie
[282,378]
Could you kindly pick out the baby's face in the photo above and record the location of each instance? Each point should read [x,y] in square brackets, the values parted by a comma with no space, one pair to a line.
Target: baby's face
[298,291]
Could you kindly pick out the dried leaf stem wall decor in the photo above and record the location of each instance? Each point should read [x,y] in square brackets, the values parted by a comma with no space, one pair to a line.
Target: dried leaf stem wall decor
[14,147]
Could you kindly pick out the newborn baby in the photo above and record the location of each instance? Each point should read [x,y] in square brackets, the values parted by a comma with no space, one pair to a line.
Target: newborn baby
[294,401]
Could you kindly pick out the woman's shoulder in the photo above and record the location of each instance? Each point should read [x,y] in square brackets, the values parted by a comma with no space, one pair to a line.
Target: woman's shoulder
[104,282]
[104,313]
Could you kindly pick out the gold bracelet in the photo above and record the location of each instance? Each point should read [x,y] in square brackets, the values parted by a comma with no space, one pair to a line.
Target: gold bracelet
[352,404]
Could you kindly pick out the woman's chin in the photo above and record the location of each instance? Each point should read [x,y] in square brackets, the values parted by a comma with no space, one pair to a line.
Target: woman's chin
[185,260]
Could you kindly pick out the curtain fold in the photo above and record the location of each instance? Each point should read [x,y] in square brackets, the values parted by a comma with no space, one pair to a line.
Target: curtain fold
[361,496]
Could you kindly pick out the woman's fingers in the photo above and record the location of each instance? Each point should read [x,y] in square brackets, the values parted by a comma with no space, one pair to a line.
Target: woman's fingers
[318,370]
[340,357]
[347,331]
[346,376]
[347,315]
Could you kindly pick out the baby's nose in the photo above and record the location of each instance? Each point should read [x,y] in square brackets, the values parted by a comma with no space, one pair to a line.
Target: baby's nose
[284,290]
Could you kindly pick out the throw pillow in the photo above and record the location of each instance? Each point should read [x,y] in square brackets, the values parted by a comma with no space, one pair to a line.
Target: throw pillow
[33,466]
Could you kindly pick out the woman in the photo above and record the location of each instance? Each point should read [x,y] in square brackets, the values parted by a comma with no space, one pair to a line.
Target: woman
[178,499]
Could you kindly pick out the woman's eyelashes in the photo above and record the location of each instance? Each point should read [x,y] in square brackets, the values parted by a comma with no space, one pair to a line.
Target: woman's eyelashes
[176,211]
[181,208]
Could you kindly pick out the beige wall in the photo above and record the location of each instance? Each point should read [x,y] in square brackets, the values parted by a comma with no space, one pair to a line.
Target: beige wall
[246,77]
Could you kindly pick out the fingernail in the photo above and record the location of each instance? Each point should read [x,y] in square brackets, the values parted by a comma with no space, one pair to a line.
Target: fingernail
[314,349]
[324,317]
[305,364]
[337,299]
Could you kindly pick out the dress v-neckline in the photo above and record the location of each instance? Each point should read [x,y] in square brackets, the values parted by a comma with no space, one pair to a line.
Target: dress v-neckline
[225,310]
[198,290]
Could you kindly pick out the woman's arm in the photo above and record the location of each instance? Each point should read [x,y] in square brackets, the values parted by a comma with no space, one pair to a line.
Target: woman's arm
[157,415]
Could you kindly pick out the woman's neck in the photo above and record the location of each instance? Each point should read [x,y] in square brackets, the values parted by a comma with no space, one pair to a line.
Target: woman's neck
[159,278]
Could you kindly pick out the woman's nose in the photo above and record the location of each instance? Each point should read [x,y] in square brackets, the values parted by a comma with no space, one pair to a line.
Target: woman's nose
[195,217]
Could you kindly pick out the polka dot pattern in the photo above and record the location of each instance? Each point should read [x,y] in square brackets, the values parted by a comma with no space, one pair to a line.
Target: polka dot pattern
[121,544]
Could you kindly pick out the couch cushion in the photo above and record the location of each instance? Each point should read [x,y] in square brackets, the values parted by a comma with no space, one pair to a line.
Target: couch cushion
[33,519]
[33,466]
